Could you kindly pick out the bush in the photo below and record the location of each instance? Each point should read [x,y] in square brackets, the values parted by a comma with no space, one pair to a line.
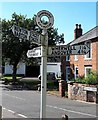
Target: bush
[50,84]
[79,80]
[91,78]
[29,84]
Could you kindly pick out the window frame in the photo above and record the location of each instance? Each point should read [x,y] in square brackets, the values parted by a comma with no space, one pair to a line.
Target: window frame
[87,67]
[76,57]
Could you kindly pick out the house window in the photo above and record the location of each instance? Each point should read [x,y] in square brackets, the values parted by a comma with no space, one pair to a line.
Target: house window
[88,55]
[87,70]
[67,73]
[76,72]
[67,57]
[76,57]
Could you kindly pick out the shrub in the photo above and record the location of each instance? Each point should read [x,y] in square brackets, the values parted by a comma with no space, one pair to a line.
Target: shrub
[29,84]
[50,84]
[91,78]
[79,80]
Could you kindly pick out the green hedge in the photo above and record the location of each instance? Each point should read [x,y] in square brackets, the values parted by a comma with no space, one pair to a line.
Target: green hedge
[91,78]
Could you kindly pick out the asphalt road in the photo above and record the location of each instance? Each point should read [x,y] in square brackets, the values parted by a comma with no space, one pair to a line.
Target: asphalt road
[26,104]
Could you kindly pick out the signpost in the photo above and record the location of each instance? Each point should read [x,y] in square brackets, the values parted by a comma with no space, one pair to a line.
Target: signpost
[41,14]
[36,52]
[38,39]
[60,51]
[42,39]
[35,37]
[23,33]
[44,47]
[68,50]
[20,32]
[79,49]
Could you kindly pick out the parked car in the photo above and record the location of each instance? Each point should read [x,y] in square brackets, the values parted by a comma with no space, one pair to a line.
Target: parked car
[50,76]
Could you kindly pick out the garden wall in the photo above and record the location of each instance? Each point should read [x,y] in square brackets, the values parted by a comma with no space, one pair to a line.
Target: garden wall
[83,92]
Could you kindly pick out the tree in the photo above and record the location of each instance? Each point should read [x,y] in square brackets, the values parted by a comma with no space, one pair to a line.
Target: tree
[14,49]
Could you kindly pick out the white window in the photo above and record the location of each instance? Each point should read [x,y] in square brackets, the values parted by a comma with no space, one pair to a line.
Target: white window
[67,73]
[67,57]
[76,57]
[89,54]
[87,70]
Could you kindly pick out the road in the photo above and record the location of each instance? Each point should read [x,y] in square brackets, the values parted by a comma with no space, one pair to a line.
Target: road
[26,104]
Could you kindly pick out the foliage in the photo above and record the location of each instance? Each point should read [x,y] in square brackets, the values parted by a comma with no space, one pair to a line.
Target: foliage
[91,78]
[14,49]
[50,84]
[30,84]
[79,80]
[8,79]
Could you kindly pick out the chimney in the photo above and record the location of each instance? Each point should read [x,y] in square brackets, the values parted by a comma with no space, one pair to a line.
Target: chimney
[77,31]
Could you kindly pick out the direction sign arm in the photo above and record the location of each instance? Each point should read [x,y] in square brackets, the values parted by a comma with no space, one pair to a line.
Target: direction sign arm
[20,32]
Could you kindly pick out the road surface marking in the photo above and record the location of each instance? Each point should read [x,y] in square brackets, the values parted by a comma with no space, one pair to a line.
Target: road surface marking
[15,113]
[14,97]
[11,111]
[22,115]
[55,107]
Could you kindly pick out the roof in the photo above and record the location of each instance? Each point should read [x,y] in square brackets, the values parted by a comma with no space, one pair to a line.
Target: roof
[91,34]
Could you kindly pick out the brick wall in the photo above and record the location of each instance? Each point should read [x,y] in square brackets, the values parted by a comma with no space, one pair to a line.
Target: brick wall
[97,56]
[94,55]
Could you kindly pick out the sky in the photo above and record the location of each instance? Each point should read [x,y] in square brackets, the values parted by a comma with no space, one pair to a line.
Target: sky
[66,14]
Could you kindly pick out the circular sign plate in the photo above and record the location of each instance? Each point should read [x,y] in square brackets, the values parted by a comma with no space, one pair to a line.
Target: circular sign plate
[50,17]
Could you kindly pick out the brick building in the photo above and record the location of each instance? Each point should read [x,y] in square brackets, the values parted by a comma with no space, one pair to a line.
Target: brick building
[81,65]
